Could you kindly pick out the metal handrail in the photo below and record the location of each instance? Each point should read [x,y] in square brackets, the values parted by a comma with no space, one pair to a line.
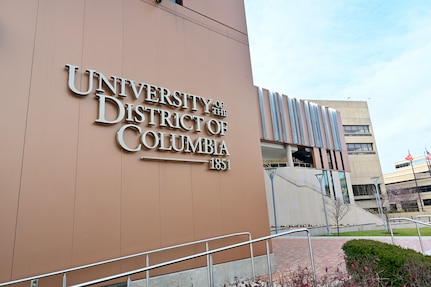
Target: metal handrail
[210,252]
[147,253]
[424,215]
[417,228]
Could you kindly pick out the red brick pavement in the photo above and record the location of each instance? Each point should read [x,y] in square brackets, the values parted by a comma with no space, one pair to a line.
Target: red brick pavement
[291,252]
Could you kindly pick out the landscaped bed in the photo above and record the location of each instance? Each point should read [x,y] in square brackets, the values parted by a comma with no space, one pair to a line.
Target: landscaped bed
[368,263]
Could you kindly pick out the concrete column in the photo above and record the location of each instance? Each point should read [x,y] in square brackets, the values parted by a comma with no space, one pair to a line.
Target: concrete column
[289,156]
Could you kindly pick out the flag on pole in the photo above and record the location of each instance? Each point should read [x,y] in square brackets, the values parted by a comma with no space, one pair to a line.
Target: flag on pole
[427,154]
[409,157]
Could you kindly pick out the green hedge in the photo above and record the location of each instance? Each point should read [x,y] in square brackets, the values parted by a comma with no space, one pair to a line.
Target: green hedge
[387,264]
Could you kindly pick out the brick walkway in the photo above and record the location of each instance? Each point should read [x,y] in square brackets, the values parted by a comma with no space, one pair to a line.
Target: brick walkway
[291,252]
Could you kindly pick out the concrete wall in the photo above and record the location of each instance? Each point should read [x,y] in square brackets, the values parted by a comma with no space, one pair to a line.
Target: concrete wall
[299,201]
[223,274]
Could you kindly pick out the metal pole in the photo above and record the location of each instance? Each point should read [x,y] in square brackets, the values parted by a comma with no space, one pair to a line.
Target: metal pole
[147,273]
[381,208]
[420,237]
[271,176]
[379,201]
[428,164]
[310,249]
[320,179]
[392,233]
[252,258]
[211,271]
[208,265]
[269,263]
[417,188]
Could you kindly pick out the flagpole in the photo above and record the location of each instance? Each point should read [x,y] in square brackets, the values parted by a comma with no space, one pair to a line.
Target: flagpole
[428,164]
[417,188]
[427,157]
[410,159]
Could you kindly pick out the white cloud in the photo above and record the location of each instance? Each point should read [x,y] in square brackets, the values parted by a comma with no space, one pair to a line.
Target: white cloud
[358,49]
[399,93]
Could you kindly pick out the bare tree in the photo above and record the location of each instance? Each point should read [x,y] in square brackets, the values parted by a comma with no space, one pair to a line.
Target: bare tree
[337,212]
[401,196]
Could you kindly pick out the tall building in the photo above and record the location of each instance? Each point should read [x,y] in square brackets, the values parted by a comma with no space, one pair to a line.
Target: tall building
[366,171]
[303,146]
[128,126]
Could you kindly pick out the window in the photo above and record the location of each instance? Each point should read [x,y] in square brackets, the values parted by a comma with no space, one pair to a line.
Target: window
[427,201]
[326,180]
[363,189]
[414,162]
[410,206]
[425,188]
[342,161]
[360,148]
[356,130]
[344,190]
[402,165]
[303,157]
[329,156]
[393,207]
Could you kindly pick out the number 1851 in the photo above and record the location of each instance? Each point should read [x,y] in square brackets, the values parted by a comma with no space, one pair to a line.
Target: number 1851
[219,164]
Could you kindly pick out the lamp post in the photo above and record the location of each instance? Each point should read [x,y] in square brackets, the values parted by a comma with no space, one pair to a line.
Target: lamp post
[379,202]
[271,173]
[319,177]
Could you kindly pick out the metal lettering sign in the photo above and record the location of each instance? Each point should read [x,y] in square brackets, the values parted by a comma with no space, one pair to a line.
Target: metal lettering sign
[185,123]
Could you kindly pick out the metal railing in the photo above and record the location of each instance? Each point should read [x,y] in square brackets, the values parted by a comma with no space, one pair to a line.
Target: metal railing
[34,279]
[424,216]
[210,261]
[417,228]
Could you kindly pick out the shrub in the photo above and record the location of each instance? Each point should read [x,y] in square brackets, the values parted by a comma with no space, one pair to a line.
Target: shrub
[300,277]
[388,264]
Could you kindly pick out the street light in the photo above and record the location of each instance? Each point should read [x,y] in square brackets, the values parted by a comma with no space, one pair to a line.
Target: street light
[319,177]
[379,202]
[271,173]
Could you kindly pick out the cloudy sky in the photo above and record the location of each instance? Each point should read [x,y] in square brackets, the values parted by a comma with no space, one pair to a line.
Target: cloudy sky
[377,51]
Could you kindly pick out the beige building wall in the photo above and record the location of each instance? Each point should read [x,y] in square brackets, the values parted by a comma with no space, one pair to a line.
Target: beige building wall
[70,195]
[364,165]
[419,184]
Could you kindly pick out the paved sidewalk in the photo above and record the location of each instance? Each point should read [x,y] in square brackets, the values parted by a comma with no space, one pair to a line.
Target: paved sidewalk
[291,252]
